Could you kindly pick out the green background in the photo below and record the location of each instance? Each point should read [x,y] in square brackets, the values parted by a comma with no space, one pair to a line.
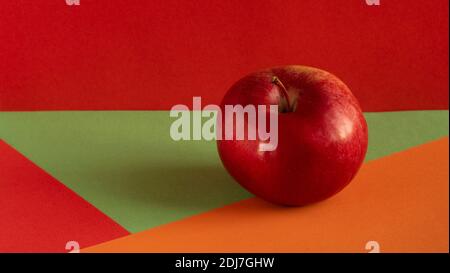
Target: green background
[126,164]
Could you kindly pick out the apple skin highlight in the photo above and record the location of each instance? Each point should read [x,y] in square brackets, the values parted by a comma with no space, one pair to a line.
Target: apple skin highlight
[322,136]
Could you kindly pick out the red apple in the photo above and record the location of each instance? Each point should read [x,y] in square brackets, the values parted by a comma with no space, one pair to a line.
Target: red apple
[322,136]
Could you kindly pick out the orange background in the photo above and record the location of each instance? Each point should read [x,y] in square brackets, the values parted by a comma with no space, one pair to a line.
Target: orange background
[400,201]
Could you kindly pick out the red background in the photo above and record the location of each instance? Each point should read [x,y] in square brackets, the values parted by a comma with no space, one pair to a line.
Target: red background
[39,214]
[130,54]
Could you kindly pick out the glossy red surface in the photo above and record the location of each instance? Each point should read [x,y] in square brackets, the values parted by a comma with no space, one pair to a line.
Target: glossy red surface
[322,140]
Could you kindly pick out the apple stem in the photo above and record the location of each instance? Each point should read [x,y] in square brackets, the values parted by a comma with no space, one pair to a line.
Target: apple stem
[278,83]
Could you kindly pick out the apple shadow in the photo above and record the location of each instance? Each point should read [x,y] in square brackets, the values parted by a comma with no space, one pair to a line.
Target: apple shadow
[177,187]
